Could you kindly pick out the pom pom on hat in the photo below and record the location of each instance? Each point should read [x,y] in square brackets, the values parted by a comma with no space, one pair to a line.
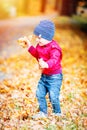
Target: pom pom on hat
[46,28]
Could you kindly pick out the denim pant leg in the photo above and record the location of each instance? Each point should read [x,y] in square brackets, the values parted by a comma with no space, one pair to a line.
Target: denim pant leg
[40,94]
[54,84]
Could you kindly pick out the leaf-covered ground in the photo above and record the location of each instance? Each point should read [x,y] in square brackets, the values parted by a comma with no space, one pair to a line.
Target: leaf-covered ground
[19,75]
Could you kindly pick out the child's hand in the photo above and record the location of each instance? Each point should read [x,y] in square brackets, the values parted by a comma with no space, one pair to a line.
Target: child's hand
[24,42]
[43,64]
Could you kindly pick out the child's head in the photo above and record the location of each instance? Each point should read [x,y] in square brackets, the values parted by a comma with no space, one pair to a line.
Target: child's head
[45,29]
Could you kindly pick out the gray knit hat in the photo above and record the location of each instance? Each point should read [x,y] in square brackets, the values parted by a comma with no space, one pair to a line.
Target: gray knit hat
[46,28]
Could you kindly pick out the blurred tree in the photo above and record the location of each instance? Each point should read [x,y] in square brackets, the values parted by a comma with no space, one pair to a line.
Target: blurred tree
[4,10]
[19,6]
[22,7]
[67,7]
[26,6]
[56,5]
[43,5]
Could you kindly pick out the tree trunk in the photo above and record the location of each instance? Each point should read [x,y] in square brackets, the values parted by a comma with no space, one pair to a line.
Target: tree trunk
[43,5]
[26,6]
[75,3]
[56,5]
[67,7]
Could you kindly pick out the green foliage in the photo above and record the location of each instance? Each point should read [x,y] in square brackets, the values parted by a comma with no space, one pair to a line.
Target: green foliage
[71,126]
[24,128]
[70,96]
[17,107]
[51,127]
[81,21]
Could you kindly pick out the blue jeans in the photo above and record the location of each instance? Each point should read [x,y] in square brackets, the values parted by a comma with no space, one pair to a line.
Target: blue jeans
[51,85]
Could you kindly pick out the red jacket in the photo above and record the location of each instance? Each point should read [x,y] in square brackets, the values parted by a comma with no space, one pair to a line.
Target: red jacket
[51,53]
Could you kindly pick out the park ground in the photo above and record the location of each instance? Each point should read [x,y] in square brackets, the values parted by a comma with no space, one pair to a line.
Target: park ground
[19,75]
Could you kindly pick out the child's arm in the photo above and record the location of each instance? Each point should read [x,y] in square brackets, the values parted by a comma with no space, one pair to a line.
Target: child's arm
[32,50]
[55,57]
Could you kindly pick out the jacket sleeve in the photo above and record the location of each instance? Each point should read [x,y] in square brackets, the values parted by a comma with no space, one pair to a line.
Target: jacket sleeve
[55,57]
[33,51]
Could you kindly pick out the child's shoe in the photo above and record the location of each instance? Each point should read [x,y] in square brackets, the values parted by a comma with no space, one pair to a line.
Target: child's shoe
[39,115]
[57,114]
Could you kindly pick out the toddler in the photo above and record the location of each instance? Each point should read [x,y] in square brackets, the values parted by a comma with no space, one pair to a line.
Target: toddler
[49,55]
